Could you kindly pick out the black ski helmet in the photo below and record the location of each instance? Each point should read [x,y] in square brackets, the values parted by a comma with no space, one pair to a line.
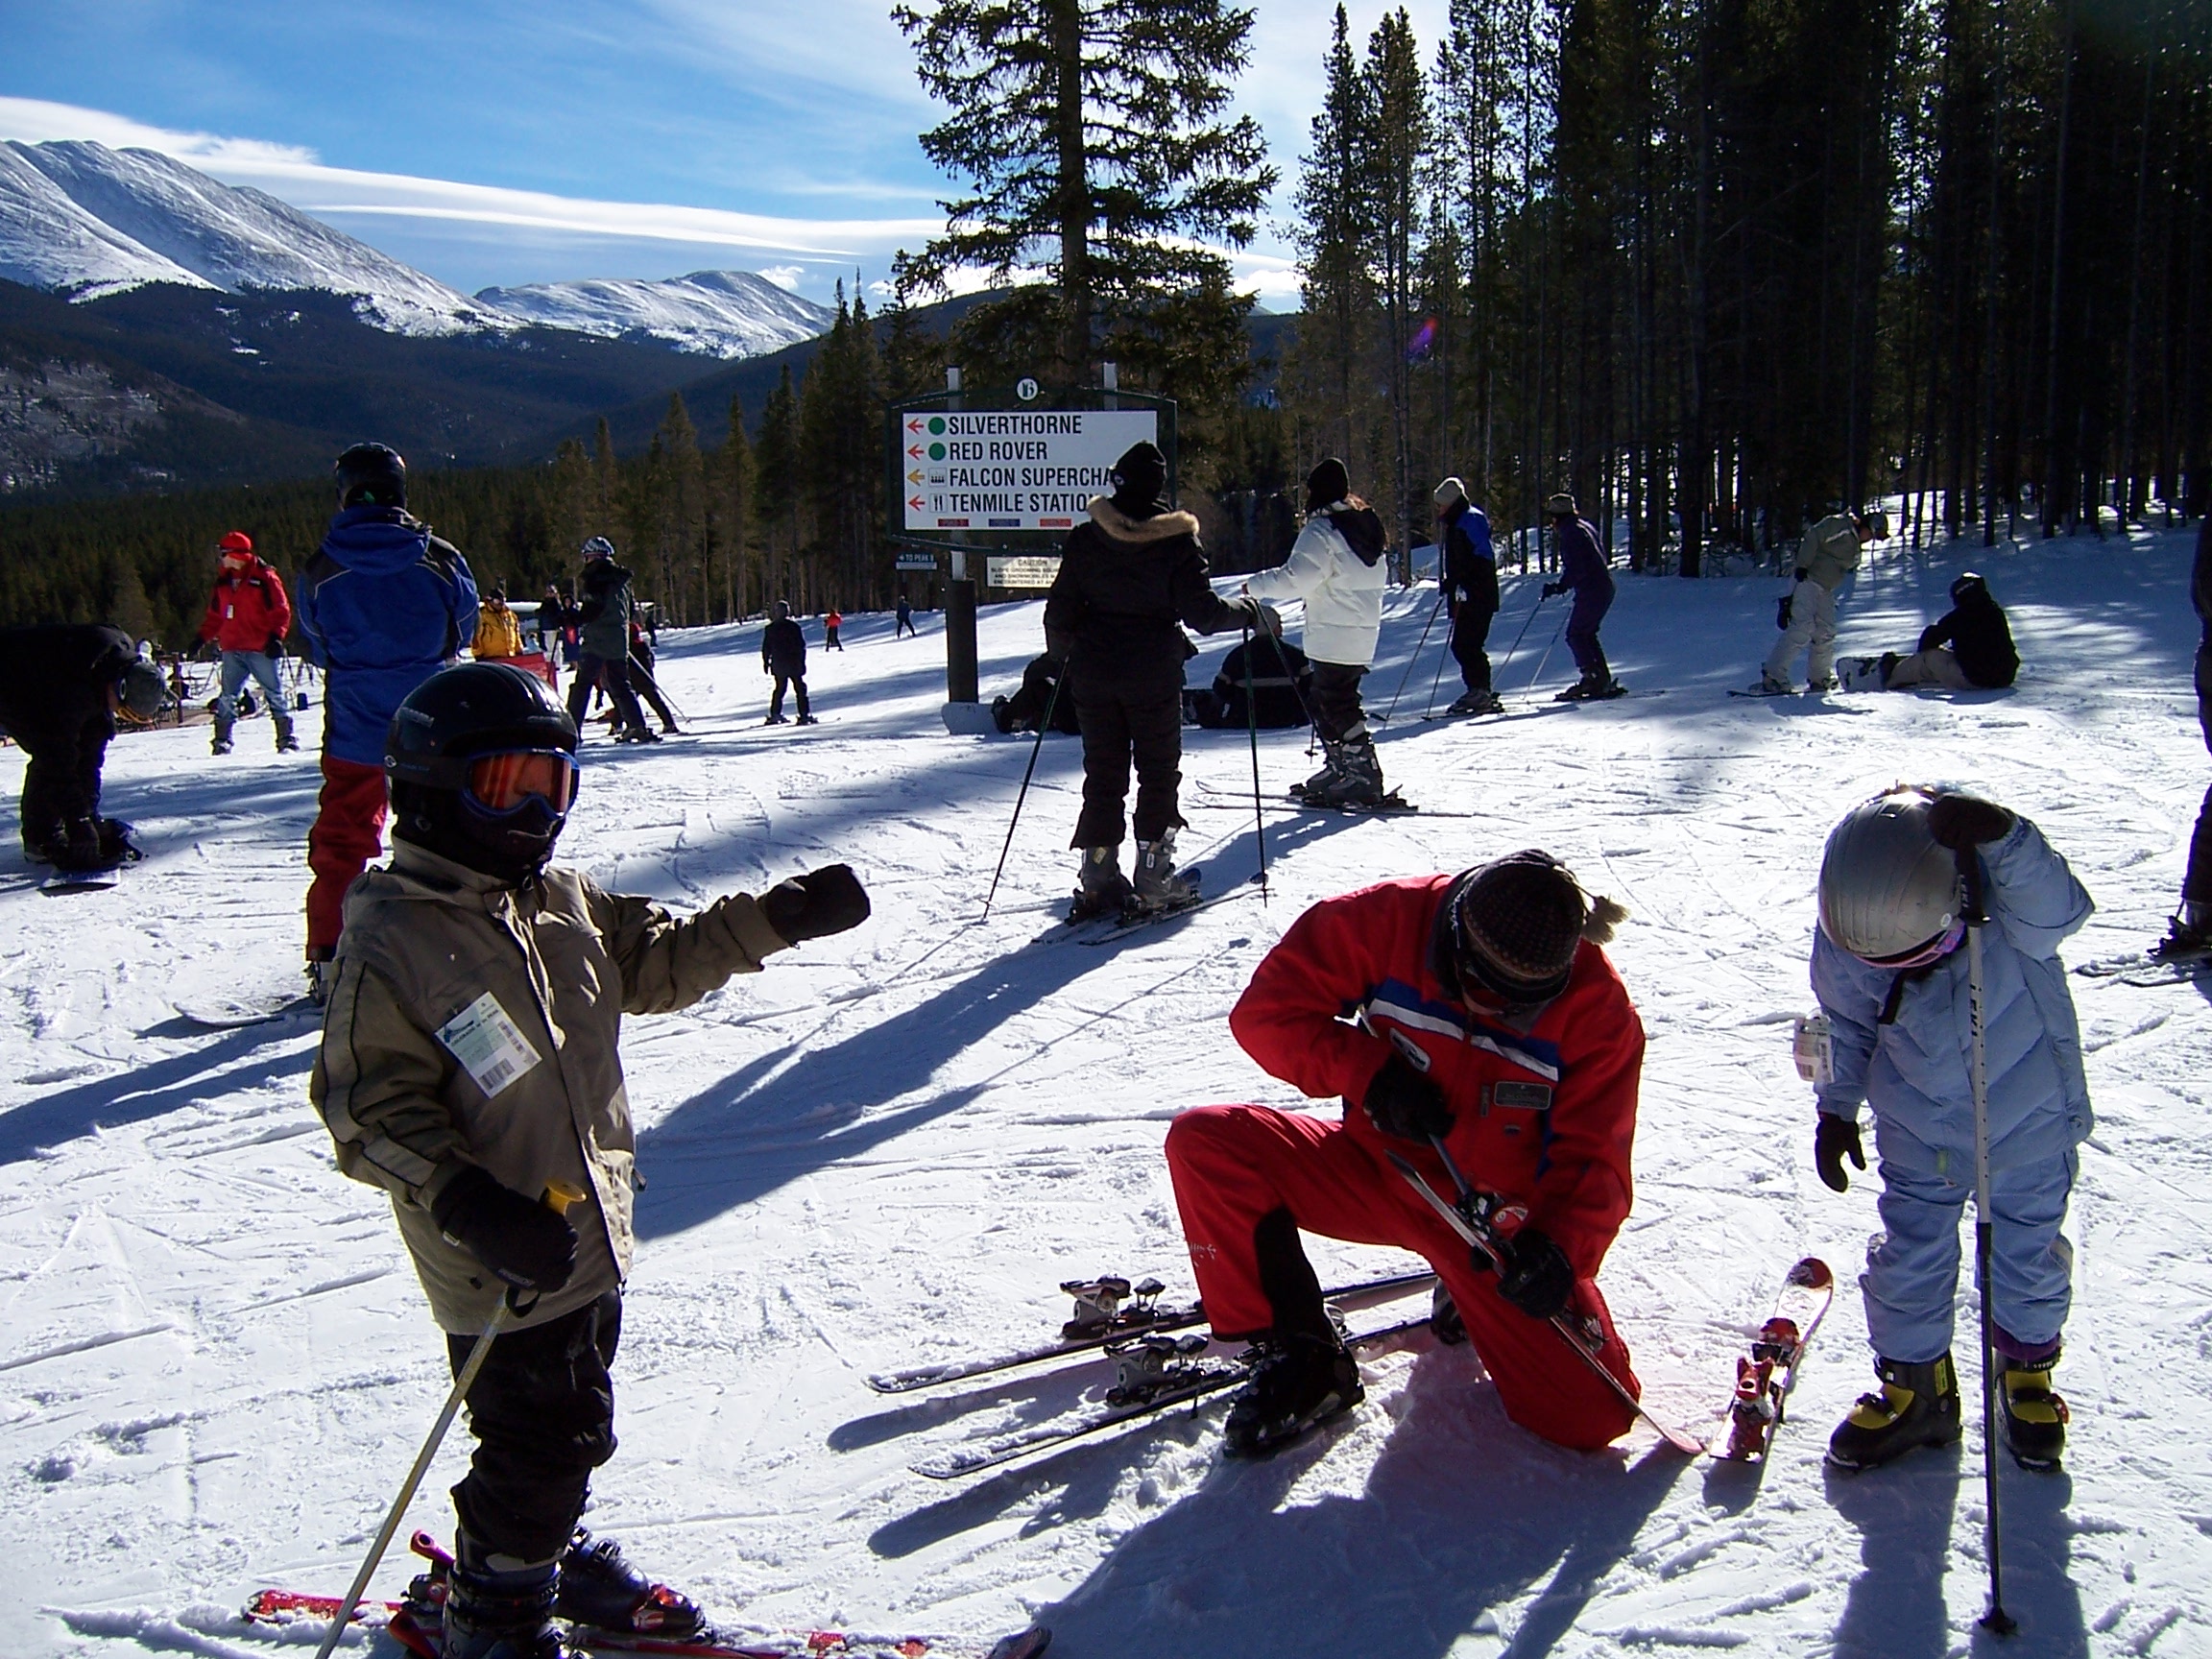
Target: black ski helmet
[452,719]
[142,690]
[372,475]
[1968,585]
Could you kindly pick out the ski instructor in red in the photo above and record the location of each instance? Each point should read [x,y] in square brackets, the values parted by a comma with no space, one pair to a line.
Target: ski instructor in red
[1475,1008]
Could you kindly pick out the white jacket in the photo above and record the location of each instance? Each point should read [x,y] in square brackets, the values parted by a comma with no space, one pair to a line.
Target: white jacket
[1343,594]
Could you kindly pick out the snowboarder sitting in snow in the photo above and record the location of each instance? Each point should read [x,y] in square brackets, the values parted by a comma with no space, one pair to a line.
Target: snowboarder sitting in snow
[1478,1009]
[783,655]
[1279,680]
[1968,648]
[1892,978]
[1586,571]
[60,685]
[1044,688]
[469,1060]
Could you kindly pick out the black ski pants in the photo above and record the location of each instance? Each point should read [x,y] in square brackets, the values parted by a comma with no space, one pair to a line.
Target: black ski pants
[795,683]
[62,777]
[2196,883]
[1470,642]
[641,676]
[613,676]
[1122,724]
[1336,712]
[543,1411]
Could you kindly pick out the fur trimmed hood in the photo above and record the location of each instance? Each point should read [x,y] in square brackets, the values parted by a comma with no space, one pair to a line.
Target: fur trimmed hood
[1157,528]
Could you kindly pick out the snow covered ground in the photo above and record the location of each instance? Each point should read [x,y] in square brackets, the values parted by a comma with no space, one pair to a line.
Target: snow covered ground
[215,1363]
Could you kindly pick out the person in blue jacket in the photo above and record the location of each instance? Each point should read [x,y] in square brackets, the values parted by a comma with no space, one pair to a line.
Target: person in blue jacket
[1584,569]
[1891,975]
[1470,576]
[382,605]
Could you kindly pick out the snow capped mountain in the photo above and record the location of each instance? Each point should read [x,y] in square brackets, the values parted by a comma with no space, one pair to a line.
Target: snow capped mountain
[86,220]
[716,312]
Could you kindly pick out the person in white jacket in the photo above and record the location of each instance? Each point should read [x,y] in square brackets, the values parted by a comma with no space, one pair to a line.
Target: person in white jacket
[1337,567]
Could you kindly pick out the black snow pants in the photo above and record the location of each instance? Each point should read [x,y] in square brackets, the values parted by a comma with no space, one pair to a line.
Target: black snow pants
[2196,883]
[1336,712]
[614,677]
[643,682]
[1470,641]
[1119,723]
[61,778]
[792,681]
[543,1411]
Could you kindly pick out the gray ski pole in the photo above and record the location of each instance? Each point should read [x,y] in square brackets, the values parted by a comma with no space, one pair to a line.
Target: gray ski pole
[558,1197]
[1531,688]
[1508,662]
[1416,657]
[1435,680]
[1027,772]
[1252,729]
[1996,1621]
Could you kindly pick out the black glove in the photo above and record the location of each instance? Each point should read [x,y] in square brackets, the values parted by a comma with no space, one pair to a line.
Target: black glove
[816,904]
[1552,590]
[1402,1103]
[1962,821]
[1836,1140]
[528,1244]
[1782,612]
[1538,1278]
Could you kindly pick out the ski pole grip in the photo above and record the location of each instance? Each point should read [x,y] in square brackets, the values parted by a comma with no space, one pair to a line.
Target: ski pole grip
[1970,873]
[560,1194]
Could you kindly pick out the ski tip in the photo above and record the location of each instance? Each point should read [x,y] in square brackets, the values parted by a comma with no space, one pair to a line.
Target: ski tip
[1813,1273]
[1024,1645]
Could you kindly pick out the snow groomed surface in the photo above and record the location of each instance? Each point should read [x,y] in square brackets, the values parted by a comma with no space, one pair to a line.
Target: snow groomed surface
[890,1149]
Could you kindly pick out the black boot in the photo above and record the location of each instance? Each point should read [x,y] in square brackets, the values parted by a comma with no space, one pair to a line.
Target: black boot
[1918,1406]
[1305,1373]
[2035,1417]
[497,1607]
[600,1588]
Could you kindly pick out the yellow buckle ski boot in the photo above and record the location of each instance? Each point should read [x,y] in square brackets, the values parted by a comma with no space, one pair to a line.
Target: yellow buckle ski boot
[1918,1406]
[2035,1417]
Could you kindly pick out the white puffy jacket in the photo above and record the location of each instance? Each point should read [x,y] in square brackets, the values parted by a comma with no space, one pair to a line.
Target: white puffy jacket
[1344,593]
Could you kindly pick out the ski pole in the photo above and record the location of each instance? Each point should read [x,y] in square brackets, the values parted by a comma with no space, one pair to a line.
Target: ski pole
[1529,688]
[1435,680]
[1252,727]
[558,1195]
[1042,726]
[1507,661]
[1416,657]
[1996,1621]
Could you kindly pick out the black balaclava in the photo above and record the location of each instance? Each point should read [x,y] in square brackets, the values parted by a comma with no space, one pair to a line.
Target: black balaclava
[1326,484]
[1139,480]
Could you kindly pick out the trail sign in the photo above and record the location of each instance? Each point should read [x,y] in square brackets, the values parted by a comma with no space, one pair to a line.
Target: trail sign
[1021,570]
[1011,469]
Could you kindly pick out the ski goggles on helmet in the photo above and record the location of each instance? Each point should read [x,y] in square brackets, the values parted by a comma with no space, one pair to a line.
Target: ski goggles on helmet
[508,782]
[1935,950]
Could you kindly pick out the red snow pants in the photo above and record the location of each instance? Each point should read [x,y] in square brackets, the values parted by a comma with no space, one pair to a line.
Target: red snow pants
[348,831]
[1233,1165]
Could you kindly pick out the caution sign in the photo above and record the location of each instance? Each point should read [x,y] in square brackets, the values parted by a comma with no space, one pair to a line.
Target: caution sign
[1023,570]
[1012,469]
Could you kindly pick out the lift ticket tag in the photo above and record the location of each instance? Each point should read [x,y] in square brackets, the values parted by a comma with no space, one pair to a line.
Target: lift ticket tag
[486,1041]
[1814,1048]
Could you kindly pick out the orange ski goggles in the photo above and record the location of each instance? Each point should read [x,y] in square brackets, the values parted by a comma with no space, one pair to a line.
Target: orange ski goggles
[507,782]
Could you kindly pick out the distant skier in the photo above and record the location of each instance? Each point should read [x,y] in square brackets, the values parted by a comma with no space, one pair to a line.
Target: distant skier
[1128,573]
[603,607]
[383,605]
[1585,571]
[642,664]
[1470,577]
[60,685]
[1476,1008]
[498,630]
[905,621]
[248,617]
[1968,648]
[1826,557]
[783,655]
[1265,681]
[1336,566]
[470,1059]
[2190,932]
[1890,974]
[829,625]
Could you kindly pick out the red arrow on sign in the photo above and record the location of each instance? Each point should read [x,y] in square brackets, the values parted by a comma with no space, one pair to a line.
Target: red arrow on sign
[915,451]
[917,502]
[914,425]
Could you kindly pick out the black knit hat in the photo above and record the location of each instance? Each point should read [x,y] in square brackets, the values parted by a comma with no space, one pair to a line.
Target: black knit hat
[1326,484]
[1516,921]
[1140,479]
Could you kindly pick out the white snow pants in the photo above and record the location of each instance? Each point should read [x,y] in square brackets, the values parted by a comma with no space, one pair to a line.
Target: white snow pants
[1811,623]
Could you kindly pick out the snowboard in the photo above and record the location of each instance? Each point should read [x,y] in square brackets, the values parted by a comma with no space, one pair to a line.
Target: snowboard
[79,881]
[1766,1373]
[232,1014]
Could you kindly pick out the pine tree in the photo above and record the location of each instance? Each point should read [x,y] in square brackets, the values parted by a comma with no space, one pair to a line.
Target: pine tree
[730,515]
[777,463]
[1333,231]
[1392,175]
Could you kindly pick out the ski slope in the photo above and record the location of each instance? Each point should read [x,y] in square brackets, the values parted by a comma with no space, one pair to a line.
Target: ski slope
[888,1148]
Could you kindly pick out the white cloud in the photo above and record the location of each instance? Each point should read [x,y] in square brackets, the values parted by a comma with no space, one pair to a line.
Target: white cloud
[785,276]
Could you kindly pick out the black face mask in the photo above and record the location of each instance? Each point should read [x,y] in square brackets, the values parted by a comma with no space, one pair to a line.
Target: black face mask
[511,847]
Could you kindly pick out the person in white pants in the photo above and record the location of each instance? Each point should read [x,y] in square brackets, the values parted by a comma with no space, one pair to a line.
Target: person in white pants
[1827,555]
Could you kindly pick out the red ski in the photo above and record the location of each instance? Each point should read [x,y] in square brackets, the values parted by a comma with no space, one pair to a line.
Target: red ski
[1765,1375]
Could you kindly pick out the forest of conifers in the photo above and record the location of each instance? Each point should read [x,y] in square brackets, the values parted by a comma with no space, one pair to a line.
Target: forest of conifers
[1713,265]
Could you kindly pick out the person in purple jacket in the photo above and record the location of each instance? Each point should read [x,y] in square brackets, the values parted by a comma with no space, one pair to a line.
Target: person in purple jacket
[382,605]
[1582,567]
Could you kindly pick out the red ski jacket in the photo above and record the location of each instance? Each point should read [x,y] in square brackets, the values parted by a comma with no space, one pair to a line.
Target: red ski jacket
[248,610]
[1546,1117]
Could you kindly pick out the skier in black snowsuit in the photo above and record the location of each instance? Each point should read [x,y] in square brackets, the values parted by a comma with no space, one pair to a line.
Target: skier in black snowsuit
[2190,932]
[783,654]
[1470,593]
[1281,681]
[1127,575]
[60,688]
[1046,689]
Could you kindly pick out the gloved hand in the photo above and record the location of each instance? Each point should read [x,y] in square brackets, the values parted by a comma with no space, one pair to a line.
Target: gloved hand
[1538,1278]
[816,904]
[1401,1101]
[528,1244]
[1834,1140]
[1552,590]
[1962,821]
[1266,619]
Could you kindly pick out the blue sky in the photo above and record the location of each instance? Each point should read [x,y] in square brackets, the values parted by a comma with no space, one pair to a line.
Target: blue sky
[489,141]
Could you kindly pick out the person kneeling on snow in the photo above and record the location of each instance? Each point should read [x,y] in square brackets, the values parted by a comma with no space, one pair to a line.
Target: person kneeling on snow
[1892,980]
[1475,1009]
[470,1061]
[1045,692]
[1266,681]
[1968,648]
[61,686]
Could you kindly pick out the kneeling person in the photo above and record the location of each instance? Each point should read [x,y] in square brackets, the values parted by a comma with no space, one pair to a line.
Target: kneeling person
[1476,1009]
[469,1063]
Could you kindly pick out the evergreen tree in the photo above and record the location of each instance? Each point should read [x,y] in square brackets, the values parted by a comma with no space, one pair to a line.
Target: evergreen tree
[776,466]
[730,515]
[1332,233]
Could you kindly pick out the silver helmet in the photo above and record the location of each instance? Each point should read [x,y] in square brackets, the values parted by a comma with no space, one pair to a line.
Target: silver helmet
[1888,889]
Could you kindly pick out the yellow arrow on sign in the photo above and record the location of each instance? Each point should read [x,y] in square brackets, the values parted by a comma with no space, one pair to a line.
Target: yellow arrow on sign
[914,477]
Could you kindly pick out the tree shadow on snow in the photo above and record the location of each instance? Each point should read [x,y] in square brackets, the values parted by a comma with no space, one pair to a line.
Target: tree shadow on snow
[1461,1514]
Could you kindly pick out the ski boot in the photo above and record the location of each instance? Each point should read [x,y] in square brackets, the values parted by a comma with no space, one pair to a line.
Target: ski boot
[637,734]
[497,1607]
[1299,1379]
[286,741]
[1478,700]
[1105,891]
[1769,686]
[2035,1417]
[1825,683]
[322,974]
[222,743]
[1443,1321]
[1593,687]
[1160,885]
[2188,935]
[807,720]
[600,1590]
[776,719]
[115,844]
[1332,766]
[1358,780]
[1918,1406]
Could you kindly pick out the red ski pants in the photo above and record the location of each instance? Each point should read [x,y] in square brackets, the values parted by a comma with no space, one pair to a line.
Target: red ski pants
[1233,1165]
[348,833]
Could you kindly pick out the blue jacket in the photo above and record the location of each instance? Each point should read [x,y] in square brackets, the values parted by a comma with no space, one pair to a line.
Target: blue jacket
[382,605]
[1582,566]
[1916,1070]
[1469,564]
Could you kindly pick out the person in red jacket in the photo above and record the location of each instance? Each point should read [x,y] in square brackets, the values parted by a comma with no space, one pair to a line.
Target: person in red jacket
[1475,1008]
[246,620]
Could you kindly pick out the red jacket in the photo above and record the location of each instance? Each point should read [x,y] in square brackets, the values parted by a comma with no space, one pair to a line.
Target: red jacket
[248,610]
[1356,968]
